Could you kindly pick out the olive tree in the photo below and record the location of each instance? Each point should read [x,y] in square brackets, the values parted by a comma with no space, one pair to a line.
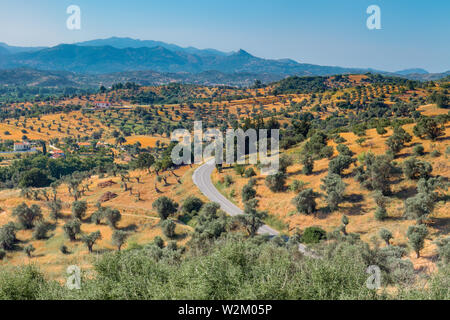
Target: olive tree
[305,201]
[386,235]
[26,216]
[334,188]
[416,236]
[90,239]
[119,237]
[165,207]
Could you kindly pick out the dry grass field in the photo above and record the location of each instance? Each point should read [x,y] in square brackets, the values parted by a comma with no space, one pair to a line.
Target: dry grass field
[359,206]
[138,218]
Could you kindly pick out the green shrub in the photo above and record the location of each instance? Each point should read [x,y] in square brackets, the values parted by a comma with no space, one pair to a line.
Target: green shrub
[313,235]
[418,150]
[250,172]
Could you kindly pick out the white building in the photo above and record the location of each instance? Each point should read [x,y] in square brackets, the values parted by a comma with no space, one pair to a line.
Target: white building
[102,104]
[22,146]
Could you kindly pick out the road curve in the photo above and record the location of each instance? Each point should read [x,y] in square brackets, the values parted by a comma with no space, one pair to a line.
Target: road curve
[202,179]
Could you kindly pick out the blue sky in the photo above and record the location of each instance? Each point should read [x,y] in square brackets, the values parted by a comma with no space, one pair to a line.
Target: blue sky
[327,32]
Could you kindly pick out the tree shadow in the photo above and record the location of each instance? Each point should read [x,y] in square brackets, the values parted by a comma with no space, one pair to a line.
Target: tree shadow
[179,237]
[130,228]
[442,225]
[405,193]
[354,198]
[316,173]
[355,210]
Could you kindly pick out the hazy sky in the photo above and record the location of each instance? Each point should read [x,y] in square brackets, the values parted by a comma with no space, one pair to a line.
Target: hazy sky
[328,32]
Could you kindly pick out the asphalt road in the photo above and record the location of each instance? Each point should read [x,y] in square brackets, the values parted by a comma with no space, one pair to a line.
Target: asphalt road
[202,179]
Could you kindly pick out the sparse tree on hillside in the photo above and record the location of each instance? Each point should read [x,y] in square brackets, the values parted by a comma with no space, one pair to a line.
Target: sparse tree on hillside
[248,193]
[29,250]
[334,188]
[276,182]
[90,239]
[416,169]
[8,236]
[165,207]
[305,201]
[26,216]
[112,217]
[386,235]
[168,228]
[72,228]
[416,236]
[252,219]
[79,209]
[429,128]
[119,238]
[55,207]
[308,165]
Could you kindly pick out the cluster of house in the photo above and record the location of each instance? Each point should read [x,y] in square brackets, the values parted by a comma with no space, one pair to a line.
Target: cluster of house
[55,153]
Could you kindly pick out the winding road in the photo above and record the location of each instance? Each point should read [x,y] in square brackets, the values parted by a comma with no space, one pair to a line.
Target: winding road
[202,179]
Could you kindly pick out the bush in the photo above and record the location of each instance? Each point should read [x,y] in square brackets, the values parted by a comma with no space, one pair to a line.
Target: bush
[344,150]
[8,236]
[326,152]
[339,164]
[386,235]
[313,235]
[192,204]
[168,228]
[285,162]
[305,201]
[443,246]
[228,180]
[381,214]
[429,128]
[334,188]
[64,250]
[250,172]
[165,207]
[248,193]
[276,182]
[239,169]
[308,165]
[2,254]
[416,169]
[419,150]
[416,236]
[297,186]
[41,229]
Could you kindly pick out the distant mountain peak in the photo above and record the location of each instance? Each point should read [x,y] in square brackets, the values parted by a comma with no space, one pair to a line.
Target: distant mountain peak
[242,52]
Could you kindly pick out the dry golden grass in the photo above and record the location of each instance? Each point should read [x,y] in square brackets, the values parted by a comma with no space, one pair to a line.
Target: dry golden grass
[138,217]
[361,210]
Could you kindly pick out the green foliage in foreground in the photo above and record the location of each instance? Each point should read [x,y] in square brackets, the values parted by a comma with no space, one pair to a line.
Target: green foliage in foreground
[232,268]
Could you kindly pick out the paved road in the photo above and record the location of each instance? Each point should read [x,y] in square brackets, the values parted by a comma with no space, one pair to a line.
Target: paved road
[202,179]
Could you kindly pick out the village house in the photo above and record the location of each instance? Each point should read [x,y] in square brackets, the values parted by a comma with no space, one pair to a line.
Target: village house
[22,146]
[102,104]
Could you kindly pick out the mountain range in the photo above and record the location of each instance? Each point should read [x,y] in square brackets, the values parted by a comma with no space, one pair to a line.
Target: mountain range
[128,58]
